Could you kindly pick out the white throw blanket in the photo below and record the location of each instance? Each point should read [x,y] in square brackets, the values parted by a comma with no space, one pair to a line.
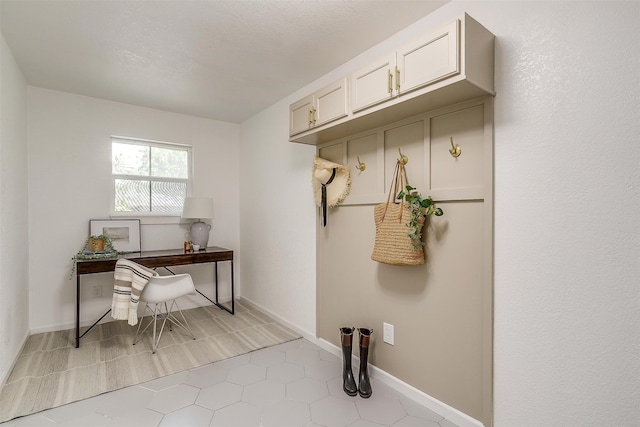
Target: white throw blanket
[129,281]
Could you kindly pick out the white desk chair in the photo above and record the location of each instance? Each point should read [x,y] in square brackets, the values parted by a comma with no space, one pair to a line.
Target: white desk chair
[159,291]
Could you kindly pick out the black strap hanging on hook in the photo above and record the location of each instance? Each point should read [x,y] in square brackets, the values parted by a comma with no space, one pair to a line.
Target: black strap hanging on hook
[324,197]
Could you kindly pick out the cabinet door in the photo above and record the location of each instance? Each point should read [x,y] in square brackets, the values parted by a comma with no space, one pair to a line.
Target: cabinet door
[330,103]
[429,59]
[373,84]
[300,115]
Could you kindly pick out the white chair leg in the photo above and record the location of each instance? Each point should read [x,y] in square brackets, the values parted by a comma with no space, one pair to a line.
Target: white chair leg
[154,343]
[139,333]
[167,316]
[184,325]
[157,311]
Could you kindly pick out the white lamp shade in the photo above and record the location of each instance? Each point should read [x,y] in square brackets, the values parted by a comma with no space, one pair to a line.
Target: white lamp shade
[198,207]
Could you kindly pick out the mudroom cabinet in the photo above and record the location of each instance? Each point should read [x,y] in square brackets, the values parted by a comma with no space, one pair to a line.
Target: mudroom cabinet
[430,101]
[323,106]
[445,66]
[431,58]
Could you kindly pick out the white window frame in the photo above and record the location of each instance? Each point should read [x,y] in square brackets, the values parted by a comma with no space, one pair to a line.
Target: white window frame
[149,143]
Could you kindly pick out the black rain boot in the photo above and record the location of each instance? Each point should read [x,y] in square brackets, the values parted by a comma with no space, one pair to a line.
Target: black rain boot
[348,382]
[364,385]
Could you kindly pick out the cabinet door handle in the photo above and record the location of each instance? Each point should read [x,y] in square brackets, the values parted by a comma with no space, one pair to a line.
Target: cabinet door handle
[397,79]
[389,87]
[310,117]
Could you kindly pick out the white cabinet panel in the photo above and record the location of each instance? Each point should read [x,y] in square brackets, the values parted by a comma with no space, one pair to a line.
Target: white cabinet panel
[330,103]
[429,59]
[300,115]
[373,84]
[323,106]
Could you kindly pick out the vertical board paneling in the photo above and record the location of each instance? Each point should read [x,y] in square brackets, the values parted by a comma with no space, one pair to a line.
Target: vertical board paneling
[441,311]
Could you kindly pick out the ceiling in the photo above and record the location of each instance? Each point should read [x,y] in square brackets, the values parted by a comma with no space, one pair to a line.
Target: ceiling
[224,60]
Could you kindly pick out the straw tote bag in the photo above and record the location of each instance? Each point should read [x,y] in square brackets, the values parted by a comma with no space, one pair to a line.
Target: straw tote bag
[392,243]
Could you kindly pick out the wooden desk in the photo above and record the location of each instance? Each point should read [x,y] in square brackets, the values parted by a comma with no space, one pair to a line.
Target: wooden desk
[155,259]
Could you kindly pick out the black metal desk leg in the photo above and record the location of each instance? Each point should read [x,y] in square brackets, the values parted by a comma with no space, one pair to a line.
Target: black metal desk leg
[233,307]
[216,301]
[215,269]
[77,310]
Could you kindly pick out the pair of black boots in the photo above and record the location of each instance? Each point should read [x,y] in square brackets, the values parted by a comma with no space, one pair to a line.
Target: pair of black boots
[348,382]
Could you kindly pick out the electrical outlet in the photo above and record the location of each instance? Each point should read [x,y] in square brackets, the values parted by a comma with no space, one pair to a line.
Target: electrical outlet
[97,291]
[387,333]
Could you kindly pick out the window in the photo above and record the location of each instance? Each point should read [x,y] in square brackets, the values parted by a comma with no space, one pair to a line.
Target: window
[149,177]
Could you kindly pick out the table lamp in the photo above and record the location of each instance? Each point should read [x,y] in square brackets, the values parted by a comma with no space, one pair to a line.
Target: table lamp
[198,208]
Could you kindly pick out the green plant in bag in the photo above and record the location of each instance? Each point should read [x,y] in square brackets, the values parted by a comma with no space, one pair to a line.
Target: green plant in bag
[420,209]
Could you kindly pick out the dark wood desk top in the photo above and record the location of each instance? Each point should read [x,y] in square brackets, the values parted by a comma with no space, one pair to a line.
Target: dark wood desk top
[152,259]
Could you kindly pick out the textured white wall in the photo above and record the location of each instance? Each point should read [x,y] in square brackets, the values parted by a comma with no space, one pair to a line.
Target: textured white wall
[14,309]
[69,181]
[567,240]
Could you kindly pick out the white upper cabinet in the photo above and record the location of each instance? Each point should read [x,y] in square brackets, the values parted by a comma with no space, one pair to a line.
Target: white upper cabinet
[326,105]
[331,103]
[445,66]
[300,115]
[433,57]
[373,84]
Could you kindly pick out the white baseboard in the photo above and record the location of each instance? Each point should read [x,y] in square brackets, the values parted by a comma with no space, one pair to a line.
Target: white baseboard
[106,319]
[5,377]
[305,334]
[440,408]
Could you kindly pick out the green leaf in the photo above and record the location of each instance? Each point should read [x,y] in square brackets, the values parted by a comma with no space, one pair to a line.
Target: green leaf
[439,212]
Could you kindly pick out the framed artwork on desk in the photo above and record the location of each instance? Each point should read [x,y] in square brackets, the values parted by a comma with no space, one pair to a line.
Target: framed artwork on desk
[124,233]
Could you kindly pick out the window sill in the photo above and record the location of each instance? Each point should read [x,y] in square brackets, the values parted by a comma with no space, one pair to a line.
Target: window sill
[150,219]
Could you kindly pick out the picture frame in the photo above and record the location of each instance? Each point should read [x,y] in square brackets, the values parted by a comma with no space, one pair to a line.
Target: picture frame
[124,233]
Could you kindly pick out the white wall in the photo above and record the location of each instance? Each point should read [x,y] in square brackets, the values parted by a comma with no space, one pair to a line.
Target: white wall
[69,179]
[14,309]
[277,216]
[567,254]
[567,240]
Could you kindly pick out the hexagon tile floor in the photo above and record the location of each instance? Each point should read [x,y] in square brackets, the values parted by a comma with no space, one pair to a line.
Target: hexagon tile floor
[291,384]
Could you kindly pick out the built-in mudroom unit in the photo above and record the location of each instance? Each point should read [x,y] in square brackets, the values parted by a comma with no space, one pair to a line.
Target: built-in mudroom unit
[429,106]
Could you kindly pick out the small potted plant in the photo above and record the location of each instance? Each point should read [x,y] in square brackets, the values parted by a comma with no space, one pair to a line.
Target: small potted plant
[97,243]
[420,209]
[95,247]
